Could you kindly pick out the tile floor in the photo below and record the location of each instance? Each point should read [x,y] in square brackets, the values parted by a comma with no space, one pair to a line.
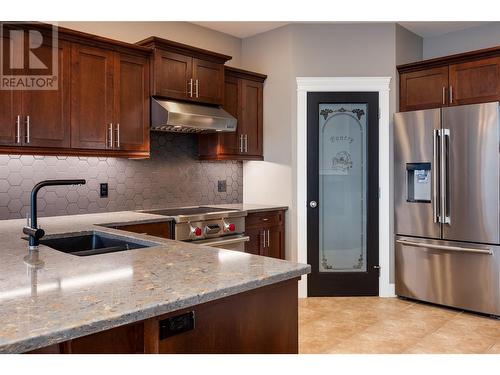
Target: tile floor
[391,325]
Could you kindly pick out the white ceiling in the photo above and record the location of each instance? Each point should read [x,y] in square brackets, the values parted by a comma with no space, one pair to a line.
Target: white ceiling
[242,29]
[246,29]
[427,29]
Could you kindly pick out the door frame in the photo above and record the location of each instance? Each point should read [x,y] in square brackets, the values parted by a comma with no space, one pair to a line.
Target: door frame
[347,84]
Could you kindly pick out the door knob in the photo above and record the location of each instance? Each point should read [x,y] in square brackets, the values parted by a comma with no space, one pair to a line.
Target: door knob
[313,204]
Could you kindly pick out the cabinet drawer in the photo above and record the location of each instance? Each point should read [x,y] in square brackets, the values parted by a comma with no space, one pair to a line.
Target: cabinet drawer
[269,218]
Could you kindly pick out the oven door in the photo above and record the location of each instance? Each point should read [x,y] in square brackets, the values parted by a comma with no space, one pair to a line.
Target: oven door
[229,243]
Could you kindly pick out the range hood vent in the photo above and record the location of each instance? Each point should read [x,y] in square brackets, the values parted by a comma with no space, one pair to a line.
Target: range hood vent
[181,117]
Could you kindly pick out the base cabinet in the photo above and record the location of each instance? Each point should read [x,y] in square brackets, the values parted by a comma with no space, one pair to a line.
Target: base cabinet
[267,234]
[238,324]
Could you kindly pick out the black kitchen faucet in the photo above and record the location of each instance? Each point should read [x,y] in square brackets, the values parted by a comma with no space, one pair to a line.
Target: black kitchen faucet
[32,229]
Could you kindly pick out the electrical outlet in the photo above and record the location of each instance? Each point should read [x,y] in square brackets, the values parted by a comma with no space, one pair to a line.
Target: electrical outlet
[221,186]
[104,190]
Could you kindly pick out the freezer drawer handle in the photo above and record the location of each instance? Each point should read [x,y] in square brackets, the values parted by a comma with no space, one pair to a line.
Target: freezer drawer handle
[447,248]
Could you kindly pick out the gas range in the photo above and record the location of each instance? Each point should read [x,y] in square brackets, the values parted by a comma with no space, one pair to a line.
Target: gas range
[207,225]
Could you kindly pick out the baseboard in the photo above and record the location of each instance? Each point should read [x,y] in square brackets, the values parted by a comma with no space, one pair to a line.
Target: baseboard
[387,290]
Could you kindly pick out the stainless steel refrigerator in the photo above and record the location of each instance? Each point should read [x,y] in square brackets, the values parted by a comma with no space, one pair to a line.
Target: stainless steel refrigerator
[447,195]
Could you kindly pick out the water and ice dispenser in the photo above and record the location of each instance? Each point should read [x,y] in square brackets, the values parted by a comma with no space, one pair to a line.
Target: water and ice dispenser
[418,182]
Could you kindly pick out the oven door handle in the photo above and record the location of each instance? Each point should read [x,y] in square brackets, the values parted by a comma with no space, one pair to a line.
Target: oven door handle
[229,241]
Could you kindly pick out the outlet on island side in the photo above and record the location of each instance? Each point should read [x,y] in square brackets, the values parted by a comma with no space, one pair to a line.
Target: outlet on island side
[104,190]
[221,186]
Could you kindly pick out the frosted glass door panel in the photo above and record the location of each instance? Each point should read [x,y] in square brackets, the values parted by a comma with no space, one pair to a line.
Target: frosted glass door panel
[342,187]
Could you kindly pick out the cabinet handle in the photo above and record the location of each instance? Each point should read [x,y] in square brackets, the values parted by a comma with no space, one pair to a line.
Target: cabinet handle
[268,239]
[109,130]
[28,129]
[196,88]
[118,135]
[18,129]
[190,84]
[264,238]
[451,94]
[241,143]
[444,95]
[246,143]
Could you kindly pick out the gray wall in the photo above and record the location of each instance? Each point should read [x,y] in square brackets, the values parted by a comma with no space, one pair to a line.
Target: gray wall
[484,36]
[182,32]
[173,176]
[362,49]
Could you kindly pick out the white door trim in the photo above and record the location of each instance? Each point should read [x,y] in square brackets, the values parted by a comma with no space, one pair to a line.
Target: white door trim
[332,84]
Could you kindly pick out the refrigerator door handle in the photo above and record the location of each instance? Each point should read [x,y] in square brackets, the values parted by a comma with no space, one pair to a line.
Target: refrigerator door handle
[445,204]
[435,176]
[446,248]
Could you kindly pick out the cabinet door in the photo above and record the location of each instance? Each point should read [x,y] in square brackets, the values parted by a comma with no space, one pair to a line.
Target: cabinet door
[45,113]
[209,81]
[255,244]
[131,87]
[173,73]
[251,116]
[423,89]
[230,143]
[91,97]
[10,115]
[10,104]
[274,246]
[475,81]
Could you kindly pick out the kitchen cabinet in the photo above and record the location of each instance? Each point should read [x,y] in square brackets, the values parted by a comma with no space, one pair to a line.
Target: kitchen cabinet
[267,233]
[423,89]
[475,81]
[38,118]
[163,229]
[466,78]
[243,98]
[91,97]
[184,72]
[100,106]
[235,324]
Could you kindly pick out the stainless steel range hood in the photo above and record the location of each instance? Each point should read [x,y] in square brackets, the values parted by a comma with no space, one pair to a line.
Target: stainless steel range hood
[181,117]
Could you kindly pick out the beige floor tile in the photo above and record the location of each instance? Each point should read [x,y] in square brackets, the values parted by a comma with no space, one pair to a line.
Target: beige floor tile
[391,325]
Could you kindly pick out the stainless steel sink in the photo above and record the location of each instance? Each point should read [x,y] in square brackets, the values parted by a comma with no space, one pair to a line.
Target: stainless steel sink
[93,243]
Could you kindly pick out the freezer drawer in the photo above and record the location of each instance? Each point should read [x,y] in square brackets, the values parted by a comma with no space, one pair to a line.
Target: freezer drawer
[449,273]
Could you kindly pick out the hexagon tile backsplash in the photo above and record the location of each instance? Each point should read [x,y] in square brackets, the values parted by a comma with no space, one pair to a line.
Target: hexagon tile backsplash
[173,176]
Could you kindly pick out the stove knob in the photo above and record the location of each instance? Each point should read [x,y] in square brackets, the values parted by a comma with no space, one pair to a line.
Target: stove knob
[229,227]
[196,231]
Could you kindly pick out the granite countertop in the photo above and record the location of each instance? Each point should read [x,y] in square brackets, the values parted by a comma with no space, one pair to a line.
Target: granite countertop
[66,296]
[249,207]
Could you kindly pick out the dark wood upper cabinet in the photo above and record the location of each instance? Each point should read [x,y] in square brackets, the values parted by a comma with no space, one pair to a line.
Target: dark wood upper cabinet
[423,89]
[243,98]
[466,78]
[91,97]
[46,113]
[186,73]
[475,81]
[208,78]
[100,106]
[172,75]
[10,117]
[131,87]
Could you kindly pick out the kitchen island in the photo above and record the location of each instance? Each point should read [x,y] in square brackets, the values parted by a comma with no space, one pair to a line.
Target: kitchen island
[172,297]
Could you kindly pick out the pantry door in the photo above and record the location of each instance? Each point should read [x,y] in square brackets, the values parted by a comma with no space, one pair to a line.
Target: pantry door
[342,173]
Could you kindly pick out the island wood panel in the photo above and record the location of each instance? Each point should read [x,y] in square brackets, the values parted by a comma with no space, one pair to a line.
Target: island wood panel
[259,321]
[475,81]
